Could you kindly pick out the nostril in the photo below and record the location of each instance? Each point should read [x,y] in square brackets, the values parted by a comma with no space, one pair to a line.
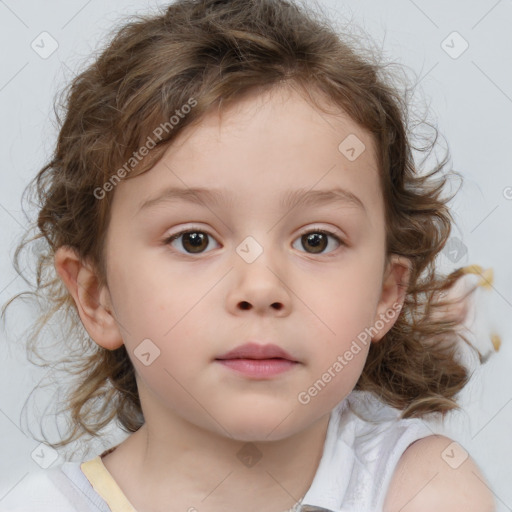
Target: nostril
[246,305]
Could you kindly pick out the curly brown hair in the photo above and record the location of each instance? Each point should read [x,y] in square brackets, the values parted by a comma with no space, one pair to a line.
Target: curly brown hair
[217,51]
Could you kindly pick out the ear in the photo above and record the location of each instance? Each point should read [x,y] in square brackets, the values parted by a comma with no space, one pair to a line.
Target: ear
[394,289]
[93,303]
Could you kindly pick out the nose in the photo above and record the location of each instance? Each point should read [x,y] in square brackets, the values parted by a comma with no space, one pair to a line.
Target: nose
[259,286]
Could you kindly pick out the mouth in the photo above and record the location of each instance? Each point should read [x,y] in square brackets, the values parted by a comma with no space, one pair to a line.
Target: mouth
[256,351]
[258,361]
[258,368]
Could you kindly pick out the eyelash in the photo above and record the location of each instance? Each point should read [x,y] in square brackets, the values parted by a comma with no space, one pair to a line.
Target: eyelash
[168,240]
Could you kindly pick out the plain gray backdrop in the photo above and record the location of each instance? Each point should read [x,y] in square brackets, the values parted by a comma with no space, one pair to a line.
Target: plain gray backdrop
[461,51]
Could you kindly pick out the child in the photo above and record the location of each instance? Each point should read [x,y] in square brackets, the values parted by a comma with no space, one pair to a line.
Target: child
[200,155]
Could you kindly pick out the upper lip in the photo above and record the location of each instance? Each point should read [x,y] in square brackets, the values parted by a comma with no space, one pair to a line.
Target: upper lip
[257,351]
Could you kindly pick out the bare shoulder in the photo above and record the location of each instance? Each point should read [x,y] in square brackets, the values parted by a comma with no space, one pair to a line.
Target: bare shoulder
[433,474]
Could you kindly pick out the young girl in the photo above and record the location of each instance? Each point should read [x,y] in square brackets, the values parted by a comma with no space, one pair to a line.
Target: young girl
[235,217]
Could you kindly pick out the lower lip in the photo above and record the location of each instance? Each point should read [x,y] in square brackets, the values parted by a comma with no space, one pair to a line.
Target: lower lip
[258,367]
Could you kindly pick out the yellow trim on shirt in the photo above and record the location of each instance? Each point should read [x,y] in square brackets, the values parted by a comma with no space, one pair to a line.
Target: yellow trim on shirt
[105,485]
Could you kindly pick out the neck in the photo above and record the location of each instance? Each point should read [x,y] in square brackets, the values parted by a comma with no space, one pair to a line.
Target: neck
[194,469]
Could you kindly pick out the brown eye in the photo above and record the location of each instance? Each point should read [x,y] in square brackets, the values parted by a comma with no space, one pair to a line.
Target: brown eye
[192,241]
[195,242]
[316,242]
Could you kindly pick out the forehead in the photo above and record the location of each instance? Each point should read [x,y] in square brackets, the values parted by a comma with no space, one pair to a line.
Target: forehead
[287,116]
[267,144]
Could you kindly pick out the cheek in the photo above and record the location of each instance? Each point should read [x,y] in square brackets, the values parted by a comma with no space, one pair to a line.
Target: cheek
[343,305]
[164,386]
[342,312]
[138,309]
[171,316]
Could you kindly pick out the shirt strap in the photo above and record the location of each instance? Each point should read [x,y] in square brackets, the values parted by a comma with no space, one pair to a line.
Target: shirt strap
[105,485]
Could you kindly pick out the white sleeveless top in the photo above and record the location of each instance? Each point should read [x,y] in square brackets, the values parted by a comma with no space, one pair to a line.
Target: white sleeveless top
[364,442]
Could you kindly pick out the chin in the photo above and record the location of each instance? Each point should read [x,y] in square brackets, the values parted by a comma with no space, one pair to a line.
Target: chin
[262,428]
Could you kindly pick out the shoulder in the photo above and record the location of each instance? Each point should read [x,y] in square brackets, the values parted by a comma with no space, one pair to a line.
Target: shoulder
[436,473]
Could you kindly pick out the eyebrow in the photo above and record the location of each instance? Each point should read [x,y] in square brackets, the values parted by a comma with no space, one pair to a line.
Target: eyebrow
[290,200]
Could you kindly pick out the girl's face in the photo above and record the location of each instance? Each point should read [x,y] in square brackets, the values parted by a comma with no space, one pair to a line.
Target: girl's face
[308,278]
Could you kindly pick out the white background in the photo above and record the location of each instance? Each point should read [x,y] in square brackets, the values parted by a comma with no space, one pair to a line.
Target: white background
[470,98]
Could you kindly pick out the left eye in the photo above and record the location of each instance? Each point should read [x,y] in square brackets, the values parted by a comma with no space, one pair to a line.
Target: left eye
[318,240]
[196,241]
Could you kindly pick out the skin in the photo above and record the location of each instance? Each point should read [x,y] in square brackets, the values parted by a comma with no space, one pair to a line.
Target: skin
[423,481]
[195,307]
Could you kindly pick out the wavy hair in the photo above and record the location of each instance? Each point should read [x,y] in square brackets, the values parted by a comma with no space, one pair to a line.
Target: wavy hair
[215,52]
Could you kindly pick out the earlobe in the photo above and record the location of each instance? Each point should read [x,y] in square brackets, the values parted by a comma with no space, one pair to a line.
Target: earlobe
[394,290]
[92,301]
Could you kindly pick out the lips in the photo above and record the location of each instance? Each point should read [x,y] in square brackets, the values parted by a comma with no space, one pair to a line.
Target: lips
[257,351]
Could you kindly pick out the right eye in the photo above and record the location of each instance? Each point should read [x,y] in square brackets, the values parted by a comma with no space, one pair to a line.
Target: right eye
[194,241]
